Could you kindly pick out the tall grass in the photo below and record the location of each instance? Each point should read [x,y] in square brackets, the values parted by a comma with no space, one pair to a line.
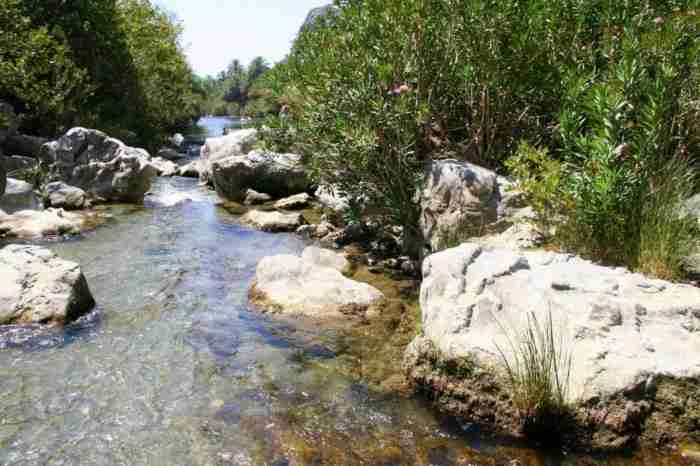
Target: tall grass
[537,363]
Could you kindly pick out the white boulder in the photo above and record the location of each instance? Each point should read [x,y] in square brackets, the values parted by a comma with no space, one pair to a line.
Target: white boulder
[104,167]
[38,287]
[236,143]
[292,285]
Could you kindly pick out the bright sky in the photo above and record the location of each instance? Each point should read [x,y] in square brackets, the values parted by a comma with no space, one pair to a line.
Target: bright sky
[217,31]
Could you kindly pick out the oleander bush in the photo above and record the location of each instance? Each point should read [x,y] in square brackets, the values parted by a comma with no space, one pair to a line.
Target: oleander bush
[591,105]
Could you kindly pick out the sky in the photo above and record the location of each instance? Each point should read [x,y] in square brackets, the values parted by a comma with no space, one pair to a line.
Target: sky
[217,31]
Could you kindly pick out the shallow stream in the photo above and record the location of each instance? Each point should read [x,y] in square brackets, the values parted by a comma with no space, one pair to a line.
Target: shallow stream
[174,368]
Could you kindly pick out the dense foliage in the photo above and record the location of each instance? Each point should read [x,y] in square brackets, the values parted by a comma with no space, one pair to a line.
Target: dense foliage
[241,90]
[112,64]
[601,97]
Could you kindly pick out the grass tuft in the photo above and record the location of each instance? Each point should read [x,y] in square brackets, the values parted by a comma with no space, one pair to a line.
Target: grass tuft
[537,363]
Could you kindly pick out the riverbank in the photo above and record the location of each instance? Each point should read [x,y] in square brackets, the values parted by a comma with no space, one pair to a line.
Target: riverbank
[175,366]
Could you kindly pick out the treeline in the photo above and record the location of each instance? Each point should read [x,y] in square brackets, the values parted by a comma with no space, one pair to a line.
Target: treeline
[116,65]
[592,106]
[240,90]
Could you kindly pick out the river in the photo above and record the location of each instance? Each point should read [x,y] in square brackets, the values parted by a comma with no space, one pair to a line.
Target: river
[174,368]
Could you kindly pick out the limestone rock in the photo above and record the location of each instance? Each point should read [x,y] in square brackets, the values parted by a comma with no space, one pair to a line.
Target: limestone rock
[164,167]
[278,175]
[294,286]
[38,287]
[273,221]
[296,202]
[253,197]
[459,198]
[19,195]
[326,258]
[236,143]
[104,167]
[191,170]
[32,224]
[60,195]
[625,332]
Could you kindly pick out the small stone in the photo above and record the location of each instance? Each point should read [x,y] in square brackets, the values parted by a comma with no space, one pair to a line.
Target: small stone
[296,202]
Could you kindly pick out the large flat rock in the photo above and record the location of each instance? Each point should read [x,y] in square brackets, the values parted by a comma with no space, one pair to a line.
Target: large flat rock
[39,287]
[292,285]
[625,332]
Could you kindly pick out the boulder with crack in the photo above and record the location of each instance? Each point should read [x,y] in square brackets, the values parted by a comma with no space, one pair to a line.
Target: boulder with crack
[634,341]
[104,167]
[292,285]
[39,287]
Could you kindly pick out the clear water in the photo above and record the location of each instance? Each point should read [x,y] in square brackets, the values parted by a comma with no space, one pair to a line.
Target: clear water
[174,368]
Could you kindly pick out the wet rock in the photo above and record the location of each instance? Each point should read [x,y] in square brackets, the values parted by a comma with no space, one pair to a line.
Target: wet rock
[273,221]
[60,195]
[24,145]
[32,224]
[18,196]
[296,202]
[167,153]
[327,258]
[278,175]
[624,331]
[292,285]
[164,167]
[38,287]
[104,167]
[255,198]
[236,143]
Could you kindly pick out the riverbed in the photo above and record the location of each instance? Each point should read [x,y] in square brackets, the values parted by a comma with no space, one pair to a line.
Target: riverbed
[174,367]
